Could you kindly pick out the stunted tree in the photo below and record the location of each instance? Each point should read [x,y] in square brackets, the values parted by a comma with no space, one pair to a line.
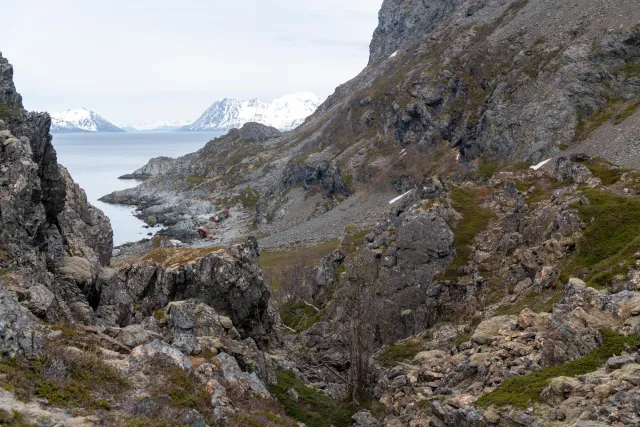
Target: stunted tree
[361,305]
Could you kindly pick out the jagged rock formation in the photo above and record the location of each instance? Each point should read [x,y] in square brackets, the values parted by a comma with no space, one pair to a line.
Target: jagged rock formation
[402,24]
[230,282]
[83,335]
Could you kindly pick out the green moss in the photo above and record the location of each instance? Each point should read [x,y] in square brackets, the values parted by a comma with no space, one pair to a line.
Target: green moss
[521,391]
[299,316]
[474,220]
[312,408]
[348,179]
[400,351]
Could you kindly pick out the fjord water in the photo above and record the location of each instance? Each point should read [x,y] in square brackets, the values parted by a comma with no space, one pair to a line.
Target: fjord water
[96,160]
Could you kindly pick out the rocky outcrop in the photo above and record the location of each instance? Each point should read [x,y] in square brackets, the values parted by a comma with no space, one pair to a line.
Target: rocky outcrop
[402,24]
[230,282]
[323,174]
[255,132]
[155,166]
[8,93]
[87,229]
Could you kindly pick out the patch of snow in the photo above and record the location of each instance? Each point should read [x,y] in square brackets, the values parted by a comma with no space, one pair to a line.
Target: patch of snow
[393,54]
[399,197]
[540,165]
[403,150]
[284,113]
[81,120]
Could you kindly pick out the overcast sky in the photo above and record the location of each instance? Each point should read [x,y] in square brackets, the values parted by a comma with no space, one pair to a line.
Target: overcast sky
[145,60]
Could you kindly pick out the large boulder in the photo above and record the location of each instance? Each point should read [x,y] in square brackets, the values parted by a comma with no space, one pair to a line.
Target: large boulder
[230,282]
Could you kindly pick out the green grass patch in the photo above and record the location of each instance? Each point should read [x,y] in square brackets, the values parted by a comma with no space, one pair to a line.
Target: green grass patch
[474,220]
[540,303]
[487,169]
[184,390]
[521,391]
[299,316]
[7,111]
[271,259]
[196,179]
[151,422]
[66,379]
[627,112]
[609,173]
[173,257]
[610,241]
[312,408]
[348,179]
[588,124]
[400,351]
[461,338]
[13,419]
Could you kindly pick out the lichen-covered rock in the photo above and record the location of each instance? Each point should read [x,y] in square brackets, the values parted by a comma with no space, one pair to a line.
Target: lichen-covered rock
[20,332]
[146,352]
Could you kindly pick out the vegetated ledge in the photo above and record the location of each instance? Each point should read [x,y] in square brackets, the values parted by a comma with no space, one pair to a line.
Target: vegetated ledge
[522,391]
[136,176]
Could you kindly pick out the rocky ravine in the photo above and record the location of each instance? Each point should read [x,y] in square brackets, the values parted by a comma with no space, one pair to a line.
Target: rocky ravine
[489,294]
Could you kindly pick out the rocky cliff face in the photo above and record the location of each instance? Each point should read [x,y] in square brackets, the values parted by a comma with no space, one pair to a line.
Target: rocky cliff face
[404,23]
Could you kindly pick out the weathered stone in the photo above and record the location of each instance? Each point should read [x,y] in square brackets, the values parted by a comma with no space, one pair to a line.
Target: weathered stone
[144,353]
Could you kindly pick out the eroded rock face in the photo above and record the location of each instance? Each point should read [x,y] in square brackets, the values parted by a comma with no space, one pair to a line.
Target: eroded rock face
[8,93]
[230,282]
[403,23]
[53,243]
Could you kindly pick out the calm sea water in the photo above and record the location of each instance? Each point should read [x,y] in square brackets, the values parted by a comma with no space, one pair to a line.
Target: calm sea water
[96,160]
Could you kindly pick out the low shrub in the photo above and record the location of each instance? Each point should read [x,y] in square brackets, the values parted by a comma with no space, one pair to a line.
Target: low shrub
[521,391]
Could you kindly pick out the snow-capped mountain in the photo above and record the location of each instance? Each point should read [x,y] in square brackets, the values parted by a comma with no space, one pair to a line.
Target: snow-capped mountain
[284,113]
[160,126]
[81,120]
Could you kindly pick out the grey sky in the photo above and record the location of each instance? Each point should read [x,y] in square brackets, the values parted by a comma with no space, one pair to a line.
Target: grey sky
[142,60]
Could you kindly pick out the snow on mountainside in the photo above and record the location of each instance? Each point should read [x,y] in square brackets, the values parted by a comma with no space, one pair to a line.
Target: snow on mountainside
[159,126]
[284,113]
[81,120]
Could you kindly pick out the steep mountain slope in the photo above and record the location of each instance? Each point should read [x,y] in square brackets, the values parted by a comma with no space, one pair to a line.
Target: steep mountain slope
[81,120]
[470,89]
[465,277]
[283,113]
[160,126]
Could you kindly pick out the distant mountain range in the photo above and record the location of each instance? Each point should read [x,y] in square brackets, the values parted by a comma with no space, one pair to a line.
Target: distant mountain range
[81,120]
[159,126]
[284,113]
